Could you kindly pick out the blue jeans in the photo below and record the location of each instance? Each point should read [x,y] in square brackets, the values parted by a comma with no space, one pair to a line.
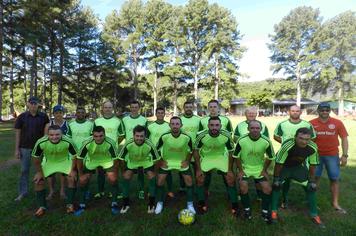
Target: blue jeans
[25,159]
[332,165]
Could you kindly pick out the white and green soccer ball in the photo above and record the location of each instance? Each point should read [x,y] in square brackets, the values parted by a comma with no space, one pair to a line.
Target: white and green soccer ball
[186,217]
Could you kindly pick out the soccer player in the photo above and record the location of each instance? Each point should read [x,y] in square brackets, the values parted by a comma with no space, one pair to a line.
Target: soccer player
[139,154]
[286,130]
[115,131]
[251,162]
[52,154]
[98,151]
[328,130]
[130,122]
[296,160]
[176,152]
[214,149]
[80,129]
[214,107]
[29,127]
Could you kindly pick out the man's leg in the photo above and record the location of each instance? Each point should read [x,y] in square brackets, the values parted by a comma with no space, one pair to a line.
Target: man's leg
[127,175]
[83,189]
[332,164]
[245,198]
[285,190]
[232,192]
[141,184]
[112,178]
[63,185]
[71,193]
[202,207]
[25,159]
[101,183]
[188,181]
[266,199]
[162,175]
[151,190]
[41,198]
[169,180]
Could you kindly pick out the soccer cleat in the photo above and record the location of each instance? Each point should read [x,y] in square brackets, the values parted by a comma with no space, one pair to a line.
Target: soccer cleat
[266,217]
[190,207]
[316,220]
[151,209]
[274,216]
[202,209]
[170,194]
[80,211]
[99,195]
[120,196]
[19,198]
[159,208]
[70,209]
[124,209]
[141,194]
[40,212]
[247,214]
[284,204]
[115,210]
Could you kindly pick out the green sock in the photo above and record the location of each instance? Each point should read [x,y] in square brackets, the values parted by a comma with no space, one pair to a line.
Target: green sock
[245,200]
[259,193]
[189,193]
[152,187]
[126,188]
[159,193]
[200,193]
[70,195]
[181,181]
[101,181]
[114,191]
[266,201]
[207,180]
[41,198]
[169,180]
[311,196]
[83,190]
[275,200]
[141,180]
[285,189]
[232,194]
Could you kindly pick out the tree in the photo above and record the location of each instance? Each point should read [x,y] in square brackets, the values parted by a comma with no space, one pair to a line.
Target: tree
[1,55]
[290,44]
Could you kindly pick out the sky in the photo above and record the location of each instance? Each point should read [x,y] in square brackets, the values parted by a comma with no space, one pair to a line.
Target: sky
[256,19]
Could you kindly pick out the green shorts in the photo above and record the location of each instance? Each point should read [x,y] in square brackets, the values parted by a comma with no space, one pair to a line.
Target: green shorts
[219,163]
[50,168]
[297,173]
[93,165]
[145,170]
[183,172]
[88,171]
[257,180]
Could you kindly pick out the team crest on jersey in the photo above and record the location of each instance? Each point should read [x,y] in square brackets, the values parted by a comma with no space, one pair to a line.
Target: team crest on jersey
[331,126]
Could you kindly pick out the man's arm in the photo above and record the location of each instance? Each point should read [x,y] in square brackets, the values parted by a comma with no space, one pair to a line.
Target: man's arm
[17,144]
[277,169]
[39,172]
[345,149]
[277,138]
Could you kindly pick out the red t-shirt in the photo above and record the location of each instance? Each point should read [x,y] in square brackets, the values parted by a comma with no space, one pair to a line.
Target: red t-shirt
[327,135]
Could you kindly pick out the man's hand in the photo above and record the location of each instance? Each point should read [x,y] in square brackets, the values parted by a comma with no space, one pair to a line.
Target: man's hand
[240,175]
[198,173]
[264,174]
[17,153]
[277,183]
[184,164]
[73,174]
[230,175]
[164,164]
[343,160]
[38,178]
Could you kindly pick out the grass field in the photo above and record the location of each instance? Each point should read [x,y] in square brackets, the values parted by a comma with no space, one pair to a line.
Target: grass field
[17,219]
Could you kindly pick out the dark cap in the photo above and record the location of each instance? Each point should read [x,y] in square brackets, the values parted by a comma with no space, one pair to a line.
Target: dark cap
[58,108]
[34,99]
[323,105]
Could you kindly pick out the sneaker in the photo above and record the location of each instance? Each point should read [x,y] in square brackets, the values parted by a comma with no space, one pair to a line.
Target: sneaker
[19,198]
[40,212]
[70,209]
[99,195]
[316,220]
[120,196]
[141,194]
[124,209]
[247,214]
[115,210]
[170,194]
[190,207]
[159,208]
[80,211]
[202,209]
[266,217]
[284,204]
[340,210]
[151,209]
[274,216]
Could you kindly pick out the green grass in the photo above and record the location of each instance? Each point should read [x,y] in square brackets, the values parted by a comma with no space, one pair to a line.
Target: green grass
[17,219]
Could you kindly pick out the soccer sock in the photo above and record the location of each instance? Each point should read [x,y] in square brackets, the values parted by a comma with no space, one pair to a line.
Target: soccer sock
[41,198]
[141,180]
[126,188]
[114,191]
[83,190]
[266,200]
[200,193]
[151,201]
[275,200]
[70,195]
[169,180]
[311,195]
[232,194]
[245,200]
[181,181]
[207,180]
[159,193]
[189,193]
[259,193]
[152,187]
[285,189]
[101,181]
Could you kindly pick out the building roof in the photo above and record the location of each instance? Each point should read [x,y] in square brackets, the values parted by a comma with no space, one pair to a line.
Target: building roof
[304,101]
[238,101]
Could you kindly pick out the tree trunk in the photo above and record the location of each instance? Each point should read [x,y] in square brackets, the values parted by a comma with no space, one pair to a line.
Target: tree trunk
[1,56]
[175,97]
[217,78]
[155,90]
[44,83]
[11,85]
[341,100]
[135,66]
[50,101]
[299,93]
[35,71]
[60,77]
[24,69]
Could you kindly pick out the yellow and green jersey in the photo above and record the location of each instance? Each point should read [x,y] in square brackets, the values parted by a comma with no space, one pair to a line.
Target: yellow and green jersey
[242,129]
[286,129]
[225,123]
[156,129]
[252,153]
[79,131]
[113,127]
[139,156]
[174,150]
[129,123]
[56,157]
[191,126]
[290,155]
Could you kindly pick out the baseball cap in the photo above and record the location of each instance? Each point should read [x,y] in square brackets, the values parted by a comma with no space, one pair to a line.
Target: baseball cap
[34,99]
[58,108]
[324,105]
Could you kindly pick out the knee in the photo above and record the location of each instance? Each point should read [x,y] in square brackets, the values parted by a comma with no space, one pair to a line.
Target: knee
[188,181]
[160,181]
[267,189]
[39,186]
[200,181]
[230,181]
[243,188]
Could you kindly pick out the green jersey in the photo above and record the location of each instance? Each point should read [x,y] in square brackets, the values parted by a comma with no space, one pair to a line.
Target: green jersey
[113,127]
[286,129]
[190,126]
[214,150]
[242,129]
[225,123]
[156,129]
[56,156]
[79,131]
[174,150]
[252,152]
[137,156]
[95,155]
[130,123]
[290,155]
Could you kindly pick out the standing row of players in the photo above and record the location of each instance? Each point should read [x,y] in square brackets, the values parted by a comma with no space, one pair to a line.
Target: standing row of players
[172,146]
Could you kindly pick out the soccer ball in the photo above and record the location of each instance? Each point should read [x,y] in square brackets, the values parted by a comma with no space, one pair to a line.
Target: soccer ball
[186,217]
